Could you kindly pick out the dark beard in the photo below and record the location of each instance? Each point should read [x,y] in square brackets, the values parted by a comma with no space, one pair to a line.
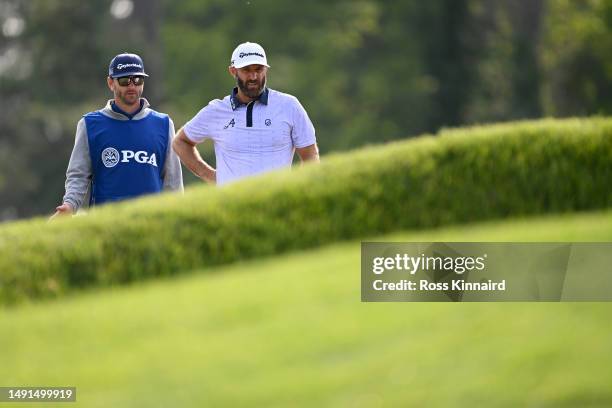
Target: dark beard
[251,93]
[123,98]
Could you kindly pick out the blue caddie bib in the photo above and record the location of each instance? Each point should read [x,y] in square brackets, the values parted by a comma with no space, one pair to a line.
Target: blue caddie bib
[127,156]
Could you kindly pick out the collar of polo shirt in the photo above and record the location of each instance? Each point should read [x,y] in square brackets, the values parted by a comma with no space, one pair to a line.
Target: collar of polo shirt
[263,98]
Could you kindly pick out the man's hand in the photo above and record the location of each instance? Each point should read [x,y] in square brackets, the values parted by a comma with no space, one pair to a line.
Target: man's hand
[189,155]
[62,210]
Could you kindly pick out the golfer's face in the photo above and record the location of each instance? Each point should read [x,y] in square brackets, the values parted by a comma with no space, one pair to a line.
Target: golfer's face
[252,79]
[129,94]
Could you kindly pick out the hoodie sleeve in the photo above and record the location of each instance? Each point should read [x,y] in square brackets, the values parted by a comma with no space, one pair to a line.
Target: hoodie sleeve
[79,173]
[172,174]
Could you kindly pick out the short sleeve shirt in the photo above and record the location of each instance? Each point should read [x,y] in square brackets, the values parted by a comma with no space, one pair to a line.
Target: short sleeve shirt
[254,138]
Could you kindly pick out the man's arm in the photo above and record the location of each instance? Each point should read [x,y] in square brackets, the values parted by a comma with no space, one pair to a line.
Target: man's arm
[172,174]
[78,175]
[308,153]
[189,155]
[303,134]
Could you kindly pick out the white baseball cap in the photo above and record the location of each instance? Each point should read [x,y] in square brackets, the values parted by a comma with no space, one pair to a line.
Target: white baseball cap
[248,53]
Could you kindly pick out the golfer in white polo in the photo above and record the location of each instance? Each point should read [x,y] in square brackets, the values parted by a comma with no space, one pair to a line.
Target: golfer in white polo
[254,129]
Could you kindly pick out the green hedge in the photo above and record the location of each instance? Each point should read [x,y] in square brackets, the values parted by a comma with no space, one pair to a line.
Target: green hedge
[458,176]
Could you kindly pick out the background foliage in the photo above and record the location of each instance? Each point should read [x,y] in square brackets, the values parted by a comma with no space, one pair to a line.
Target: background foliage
[367,71]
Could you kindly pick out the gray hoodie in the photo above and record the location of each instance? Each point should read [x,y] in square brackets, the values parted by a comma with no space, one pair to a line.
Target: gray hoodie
[79,173]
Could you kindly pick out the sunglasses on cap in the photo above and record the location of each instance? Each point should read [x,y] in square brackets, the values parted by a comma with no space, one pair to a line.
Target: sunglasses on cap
[125,81]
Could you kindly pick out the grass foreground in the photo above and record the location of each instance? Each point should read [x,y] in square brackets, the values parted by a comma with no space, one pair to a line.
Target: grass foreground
[290,331]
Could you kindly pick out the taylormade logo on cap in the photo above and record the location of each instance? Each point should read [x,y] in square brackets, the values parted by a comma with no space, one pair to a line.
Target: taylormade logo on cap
[248,53]
[123,66]
[126,64]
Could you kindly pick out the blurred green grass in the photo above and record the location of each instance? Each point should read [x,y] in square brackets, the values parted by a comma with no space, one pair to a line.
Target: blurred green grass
[290,331]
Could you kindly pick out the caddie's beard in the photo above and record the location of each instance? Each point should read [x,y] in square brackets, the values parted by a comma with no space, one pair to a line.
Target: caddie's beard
[128,95]
[251,92]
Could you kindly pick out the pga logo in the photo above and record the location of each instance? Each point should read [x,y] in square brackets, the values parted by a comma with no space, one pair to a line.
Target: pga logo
[111,157]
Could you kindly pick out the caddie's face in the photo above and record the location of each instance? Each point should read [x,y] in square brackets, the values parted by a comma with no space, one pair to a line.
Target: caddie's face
[251,80]
[129,95]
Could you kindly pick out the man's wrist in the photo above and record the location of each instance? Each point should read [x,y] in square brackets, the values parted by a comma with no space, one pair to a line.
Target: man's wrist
[71,205]
[207,173]
[210,176]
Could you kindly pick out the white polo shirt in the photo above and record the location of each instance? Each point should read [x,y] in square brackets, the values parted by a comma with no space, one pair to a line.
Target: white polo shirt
[254,138]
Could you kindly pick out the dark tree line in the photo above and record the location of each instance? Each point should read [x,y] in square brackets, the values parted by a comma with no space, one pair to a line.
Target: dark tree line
[367,71]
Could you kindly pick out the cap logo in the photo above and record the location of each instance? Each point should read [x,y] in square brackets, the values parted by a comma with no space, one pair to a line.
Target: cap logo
[246,54]
[121,66]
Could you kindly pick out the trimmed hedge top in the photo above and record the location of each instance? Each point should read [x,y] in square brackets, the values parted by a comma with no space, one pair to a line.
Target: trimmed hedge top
[458,176]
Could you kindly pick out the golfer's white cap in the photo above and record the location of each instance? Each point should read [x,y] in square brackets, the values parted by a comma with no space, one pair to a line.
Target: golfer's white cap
[248,53]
